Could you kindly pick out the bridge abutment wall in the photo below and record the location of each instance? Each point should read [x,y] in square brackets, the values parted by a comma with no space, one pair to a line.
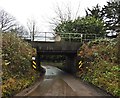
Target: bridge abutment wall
[71,63]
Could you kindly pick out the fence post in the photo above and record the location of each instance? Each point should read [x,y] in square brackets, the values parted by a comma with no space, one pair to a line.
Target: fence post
[69,37]
[81,37]
[45,36]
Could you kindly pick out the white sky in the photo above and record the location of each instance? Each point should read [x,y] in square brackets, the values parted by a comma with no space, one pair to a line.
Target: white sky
[43,10]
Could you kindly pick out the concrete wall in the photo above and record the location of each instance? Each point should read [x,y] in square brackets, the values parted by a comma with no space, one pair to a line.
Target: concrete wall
[57,46]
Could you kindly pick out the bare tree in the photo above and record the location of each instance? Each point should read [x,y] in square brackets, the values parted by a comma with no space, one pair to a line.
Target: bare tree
[63,14]
[20,30]
[32,26]
[7,22]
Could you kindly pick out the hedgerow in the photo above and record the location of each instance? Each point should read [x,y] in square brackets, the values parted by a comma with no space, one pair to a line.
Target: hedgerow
[100,64]
[16,65]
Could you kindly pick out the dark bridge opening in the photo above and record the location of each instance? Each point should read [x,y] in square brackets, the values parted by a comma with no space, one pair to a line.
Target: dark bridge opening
[52,58]
[67,59]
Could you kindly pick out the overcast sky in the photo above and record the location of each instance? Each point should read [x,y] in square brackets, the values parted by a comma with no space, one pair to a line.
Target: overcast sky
[43,10]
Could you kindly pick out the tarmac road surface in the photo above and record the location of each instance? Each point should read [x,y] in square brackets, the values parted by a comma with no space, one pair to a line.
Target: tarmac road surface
[58,83]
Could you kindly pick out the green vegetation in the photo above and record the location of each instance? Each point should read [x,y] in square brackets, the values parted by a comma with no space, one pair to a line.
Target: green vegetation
[86,25]
[97,21]
[101,64]
[109,13]
[16,65]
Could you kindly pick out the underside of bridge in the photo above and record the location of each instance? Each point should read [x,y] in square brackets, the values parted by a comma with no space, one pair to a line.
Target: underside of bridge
[70,63]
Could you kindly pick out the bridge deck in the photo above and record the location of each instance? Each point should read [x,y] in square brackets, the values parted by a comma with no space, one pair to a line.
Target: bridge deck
[56,47]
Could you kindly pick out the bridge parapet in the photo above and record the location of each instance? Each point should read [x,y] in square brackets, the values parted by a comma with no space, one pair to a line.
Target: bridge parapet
[69,43]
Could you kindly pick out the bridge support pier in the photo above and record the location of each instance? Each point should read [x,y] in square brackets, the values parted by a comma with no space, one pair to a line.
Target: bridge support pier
[38,62]
[71,63]
[38,59]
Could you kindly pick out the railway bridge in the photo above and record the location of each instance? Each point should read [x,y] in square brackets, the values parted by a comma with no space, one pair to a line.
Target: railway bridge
[68,45]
